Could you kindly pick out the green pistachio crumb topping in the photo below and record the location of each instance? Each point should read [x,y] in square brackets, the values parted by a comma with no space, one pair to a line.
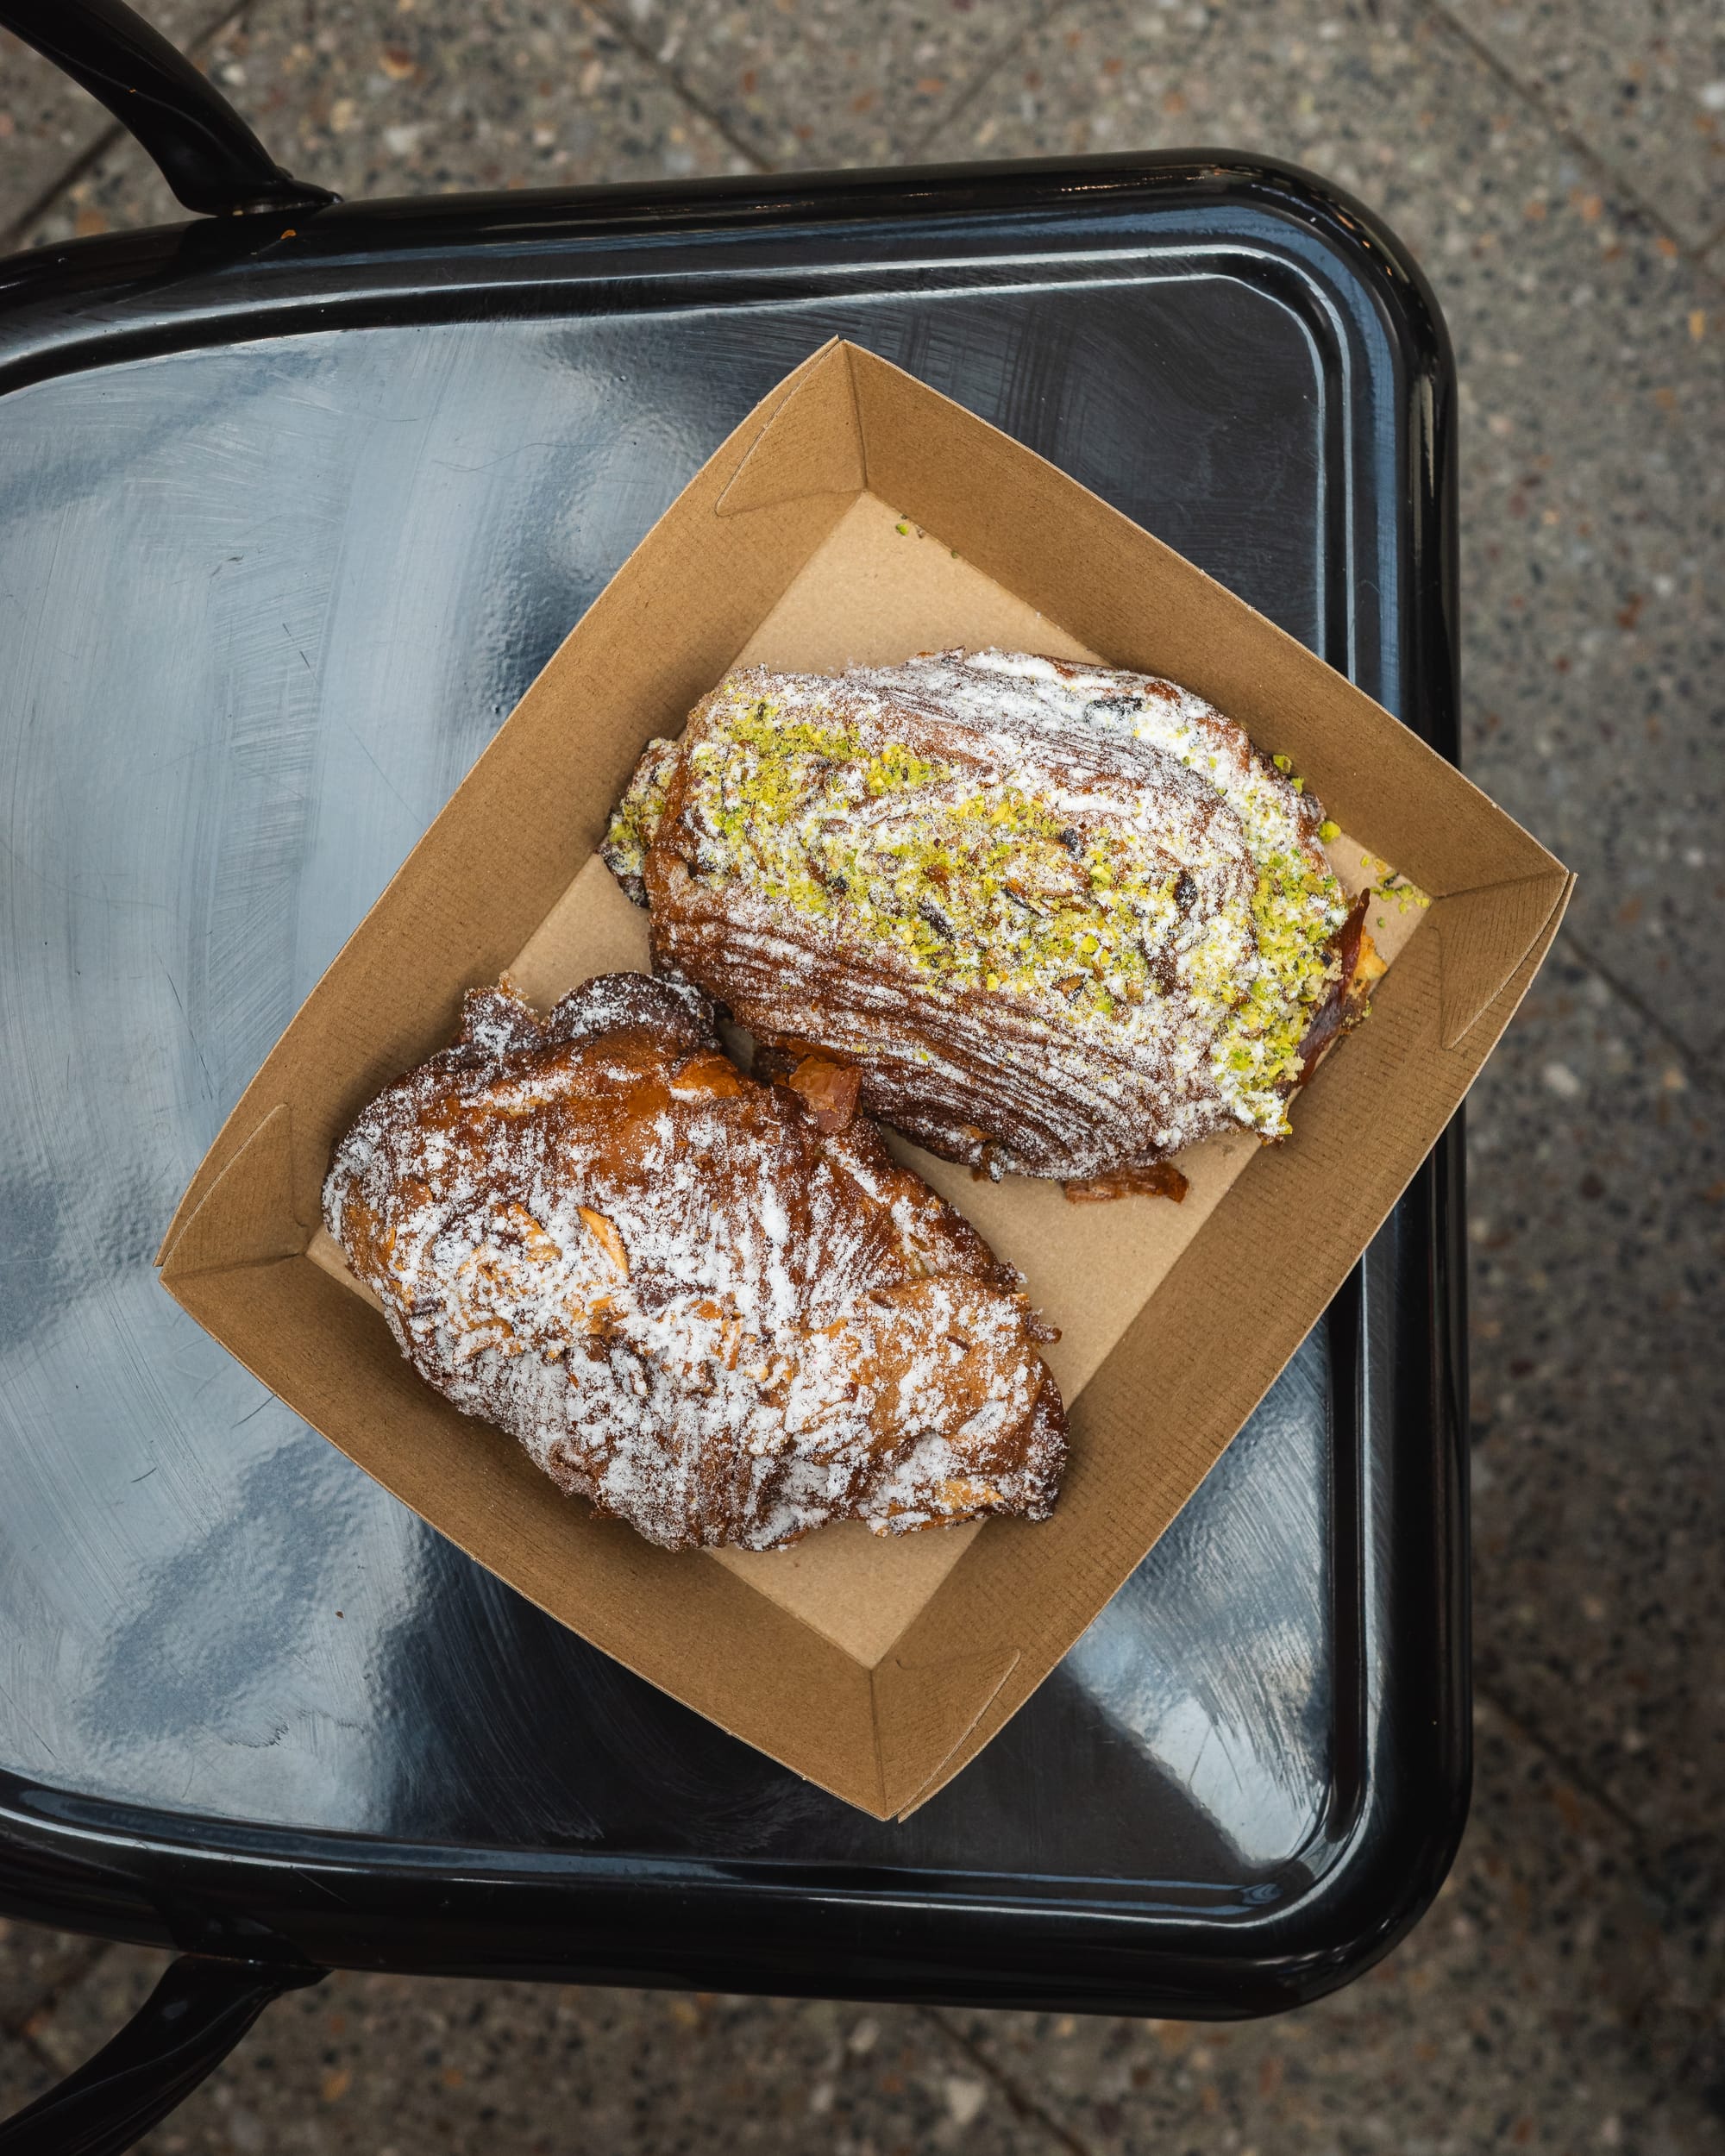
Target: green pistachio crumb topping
[982,884]
[636,816]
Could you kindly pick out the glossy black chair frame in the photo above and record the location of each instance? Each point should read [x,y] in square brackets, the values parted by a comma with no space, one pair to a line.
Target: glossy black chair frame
[296,1902]
[259,1909]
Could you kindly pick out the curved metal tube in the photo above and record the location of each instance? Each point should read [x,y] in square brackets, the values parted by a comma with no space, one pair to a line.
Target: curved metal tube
[207,153]
[182,2032]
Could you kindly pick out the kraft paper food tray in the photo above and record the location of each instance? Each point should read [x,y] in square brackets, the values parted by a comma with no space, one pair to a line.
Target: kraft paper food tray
[857,515]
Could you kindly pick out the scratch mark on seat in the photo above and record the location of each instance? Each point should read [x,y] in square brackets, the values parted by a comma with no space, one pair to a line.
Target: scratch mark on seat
[190,1035]
[13,1701]
[381,773]
[448,464]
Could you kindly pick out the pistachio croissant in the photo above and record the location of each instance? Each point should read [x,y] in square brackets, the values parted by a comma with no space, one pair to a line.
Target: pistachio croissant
[1062,919]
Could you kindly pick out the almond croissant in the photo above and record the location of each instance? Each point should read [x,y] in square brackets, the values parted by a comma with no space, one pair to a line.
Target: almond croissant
[715,1307]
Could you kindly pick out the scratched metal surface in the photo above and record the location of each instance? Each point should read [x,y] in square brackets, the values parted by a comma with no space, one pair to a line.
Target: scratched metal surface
[261,605]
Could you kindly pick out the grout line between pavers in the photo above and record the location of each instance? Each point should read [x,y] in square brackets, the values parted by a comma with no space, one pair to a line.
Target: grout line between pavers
[1646,1853]
[1695,1059]
[1557,119]
[12,237]
[1571,1769]
[1024,2106]
[672,76]
[969,92]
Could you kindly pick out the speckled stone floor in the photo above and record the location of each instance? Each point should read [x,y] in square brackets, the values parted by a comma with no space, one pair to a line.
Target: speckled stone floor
[1559,170]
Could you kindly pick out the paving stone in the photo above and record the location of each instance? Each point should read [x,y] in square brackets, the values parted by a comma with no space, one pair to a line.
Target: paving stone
[97,2006]
[1592,366]
[1596,1207]
[381,2066]
[811,82]
[34,1963]
[36,1967]
[517,93]
[1641,83]
[23,2075]
[46,122]
[1543,2004]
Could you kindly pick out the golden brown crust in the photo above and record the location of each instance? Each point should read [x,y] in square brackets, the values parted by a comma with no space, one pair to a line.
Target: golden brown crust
[1062,920]
[691,1303]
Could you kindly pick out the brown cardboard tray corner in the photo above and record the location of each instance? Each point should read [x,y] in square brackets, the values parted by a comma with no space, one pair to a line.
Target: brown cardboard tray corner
[857,515]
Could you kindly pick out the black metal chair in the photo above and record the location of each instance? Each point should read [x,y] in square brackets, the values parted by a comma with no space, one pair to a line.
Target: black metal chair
[294,500]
